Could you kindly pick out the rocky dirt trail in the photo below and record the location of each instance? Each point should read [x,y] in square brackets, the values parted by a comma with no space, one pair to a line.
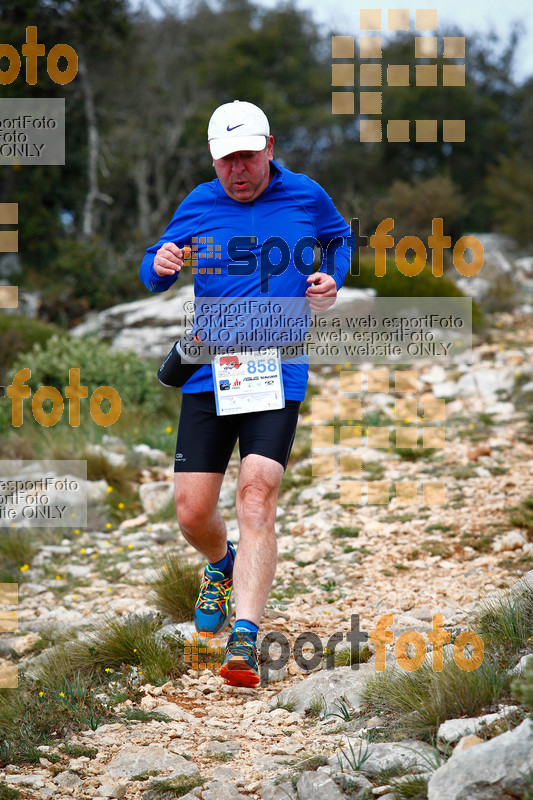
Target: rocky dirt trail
[335,561]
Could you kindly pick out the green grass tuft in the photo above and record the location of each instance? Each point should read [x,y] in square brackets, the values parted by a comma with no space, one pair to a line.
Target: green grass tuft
[355,757]
[223,757]
[16,550]
[144,776]
[29,719]
[7,792]
[410,787]
[414,453]
[175,588]
[342,531]
[506,624]
[316,706]
[115,643]
[310,762]
[523,687]
[142,715]
[78,750]
[289,704]
[522,516]
[424,699]
[346,656]
[74,685]
[176,787]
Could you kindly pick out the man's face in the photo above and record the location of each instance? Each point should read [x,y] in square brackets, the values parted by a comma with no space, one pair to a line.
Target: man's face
[245,174]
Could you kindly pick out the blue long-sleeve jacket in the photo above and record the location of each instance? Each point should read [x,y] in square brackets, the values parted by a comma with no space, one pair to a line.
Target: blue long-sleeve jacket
[292,206]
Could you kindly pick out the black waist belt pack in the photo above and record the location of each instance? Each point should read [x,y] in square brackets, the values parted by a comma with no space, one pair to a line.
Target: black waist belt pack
[181,363]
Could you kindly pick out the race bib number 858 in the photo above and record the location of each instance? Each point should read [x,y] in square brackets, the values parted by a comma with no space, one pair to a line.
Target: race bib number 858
[248,382]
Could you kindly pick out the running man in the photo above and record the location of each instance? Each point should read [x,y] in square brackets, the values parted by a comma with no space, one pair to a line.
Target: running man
[252,196]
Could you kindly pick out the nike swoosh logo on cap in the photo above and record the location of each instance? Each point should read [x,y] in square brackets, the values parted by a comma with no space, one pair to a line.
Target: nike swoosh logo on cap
[235,126]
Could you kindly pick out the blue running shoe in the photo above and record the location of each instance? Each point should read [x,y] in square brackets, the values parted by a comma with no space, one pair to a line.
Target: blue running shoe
[213,607]
[240,667]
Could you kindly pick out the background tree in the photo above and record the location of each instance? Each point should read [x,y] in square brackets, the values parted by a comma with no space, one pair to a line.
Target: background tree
[414,205]
[137,116]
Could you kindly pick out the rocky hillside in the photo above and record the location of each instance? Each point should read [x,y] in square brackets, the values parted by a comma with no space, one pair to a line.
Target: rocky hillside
[312,736]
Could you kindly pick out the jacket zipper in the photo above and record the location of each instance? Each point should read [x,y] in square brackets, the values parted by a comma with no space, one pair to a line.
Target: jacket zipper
[252,214]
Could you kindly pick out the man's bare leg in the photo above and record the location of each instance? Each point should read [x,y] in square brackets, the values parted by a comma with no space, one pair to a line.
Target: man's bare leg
[255,565]
[196,495]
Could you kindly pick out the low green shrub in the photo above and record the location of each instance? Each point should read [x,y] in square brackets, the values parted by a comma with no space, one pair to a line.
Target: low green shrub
[133,378]
[18,334]
[83,275]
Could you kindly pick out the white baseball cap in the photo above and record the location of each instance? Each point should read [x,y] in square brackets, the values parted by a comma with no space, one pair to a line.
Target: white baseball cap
[237,126]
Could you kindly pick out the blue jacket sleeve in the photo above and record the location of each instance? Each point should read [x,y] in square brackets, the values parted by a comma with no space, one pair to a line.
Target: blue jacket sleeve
[332,233]
[180,230]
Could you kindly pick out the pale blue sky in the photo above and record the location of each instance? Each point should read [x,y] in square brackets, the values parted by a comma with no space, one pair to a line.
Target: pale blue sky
[342,16]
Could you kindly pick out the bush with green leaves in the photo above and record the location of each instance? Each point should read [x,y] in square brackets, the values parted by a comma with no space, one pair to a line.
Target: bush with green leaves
[148,412]
[18,334]
[414,205]
[83,275]
[510,195]
[133,378]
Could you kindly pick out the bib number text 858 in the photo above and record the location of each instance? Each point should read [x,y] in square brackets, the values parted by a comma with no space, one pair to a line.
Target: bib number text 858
[271,365]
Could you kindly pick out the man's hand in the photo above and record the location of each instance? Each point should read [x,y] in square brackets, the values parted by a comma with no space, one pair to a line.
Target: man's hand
[169,259]
[323,291]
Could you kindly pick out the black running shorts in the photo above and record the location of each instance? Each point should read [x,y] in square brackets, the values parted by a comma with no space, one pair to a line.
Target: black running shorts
[205,441]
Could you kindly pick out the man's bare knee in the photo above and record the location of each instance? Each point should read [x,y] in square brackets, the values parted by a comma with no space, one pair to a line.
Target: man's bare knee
[256,499]
[196,499]
[191,516]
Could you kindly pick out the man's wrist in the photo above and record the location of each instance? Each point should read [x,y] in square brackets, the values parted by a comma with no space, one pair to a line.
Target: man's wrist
[157,281]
